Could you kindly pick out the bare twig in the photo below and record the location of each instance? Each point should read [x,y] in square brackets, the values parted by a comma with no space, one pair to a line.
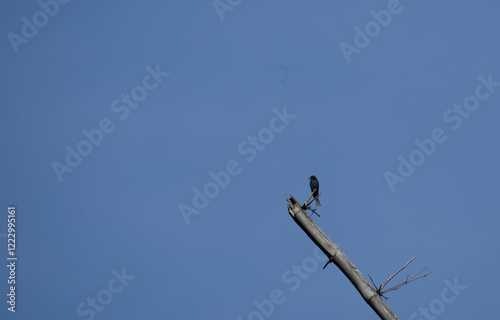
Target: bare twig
[374,285]
[382,286]
[314,210]
[313,198]
[409,279]
[307,205]
[330,260]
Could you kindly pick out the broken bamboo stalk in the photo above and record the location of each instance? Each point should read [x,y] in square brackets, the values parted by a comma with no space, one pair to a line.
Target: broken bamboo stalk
[335,255]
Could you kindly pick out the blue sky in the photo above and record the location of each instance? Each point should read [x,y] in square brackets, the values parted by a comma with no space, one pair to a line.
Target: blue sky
[116,116]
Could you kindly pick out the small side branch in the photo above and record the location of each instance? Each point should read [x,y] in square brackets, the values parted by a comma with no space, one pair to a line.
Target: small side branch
[401,269]
[408,280]
[329,261]
[307,204]
[380,290]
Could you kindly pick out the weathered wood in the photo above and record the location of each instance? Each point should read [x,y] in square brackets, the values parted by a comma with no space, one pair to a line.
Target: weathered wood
[332,251]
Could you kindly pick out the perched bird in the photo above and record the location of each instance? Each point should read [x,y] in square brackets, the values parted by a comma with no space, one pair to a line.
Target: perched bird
[314,184]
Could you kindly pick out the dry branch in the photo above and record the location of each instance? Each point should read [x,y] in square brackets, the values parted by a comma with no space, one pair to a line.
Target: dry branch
[307,204]
[409,279]
[335,255]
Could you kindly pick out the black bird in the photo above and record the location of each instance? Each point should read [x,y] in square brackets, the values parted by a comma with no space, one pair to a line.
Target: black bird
[314,184]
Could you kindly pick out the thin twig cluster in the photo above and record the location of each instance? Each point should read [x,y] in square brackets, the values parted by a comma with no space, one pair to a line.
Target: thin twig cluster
[380,290]
[307,204]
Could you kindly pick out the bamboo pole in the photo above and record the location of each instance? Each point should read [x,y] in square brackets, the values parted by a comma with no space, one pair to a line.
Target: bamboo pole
[335,255]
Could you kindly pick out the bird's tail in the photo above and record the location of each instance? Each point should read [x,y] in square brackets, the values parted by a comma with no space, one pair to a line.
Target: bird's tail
[317,202]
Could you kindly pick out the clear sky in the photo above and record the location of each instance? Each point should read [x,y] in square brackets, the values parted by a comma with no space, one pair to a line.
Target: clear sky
[148,147]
